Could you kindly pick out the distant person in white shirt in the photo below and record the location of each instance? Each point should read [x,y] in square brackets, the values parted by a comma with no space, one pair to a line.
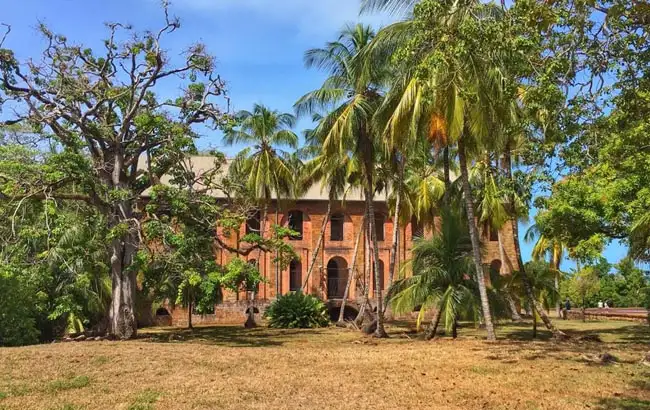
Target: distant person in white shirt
[600,304]
[606,305]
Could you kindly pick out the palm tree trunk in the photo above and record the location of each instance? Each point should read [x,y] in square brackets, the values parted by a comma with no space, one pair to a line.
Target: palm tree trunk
[534,326]
[446,169]
[476,243]
[189,316]
[380,332]
[398,201]
[454,328]
[352,271]
[558,334]
[365,310]
[319,244]
[558,303]
[433,327]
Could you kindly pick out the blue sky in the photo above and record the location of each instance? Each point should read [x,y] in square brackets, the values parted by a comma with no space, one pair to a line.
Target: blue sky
[259,44]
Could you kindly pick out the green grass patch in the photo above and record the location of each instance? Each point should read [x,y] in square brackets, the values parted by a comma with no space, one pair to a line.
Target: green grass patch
[145,400]
[3,395]
[68,384]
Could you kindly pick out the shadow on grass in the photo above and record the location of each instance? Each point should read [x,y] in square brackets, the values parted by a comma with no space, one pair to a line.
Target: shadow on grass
[227,336]
[623,403]
[633,333]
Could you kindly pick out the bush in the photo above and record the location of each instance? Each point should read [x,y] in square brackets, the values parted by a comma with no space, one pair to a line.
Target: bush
[17,316]
[297,310]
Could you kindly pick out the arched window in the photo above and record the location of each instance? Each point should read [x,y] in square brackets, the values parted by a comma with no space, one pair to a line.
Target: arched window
[379,226]
[295,276]
[253,224]
[336,227]
[337,277]
[295,224]
[381,276]
[417,229]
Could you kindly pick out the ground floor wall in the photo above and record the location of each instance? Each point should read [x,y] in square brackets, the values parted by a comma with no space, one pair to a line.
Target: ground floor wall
[333,265]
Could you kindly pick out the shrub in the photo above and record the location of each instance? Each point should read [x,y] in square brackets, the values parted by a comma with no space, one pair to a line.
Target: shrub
[17,316]
[297,310]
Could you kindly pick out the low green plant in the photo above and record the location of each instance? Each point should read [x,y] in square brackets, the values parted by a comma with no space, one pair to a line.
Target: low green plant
[145,400]
[297,310]
[69,384]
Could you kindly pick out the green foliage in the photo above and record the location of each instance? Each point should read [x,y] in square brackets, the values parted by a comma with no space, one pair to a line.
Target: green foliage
[297,310]
[145,400]
[443,276]
[17,313]
[583,285]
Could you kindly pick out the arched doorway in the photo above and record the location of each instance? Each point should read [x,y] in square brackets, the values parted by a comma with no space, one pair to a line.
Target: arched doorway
[337,277]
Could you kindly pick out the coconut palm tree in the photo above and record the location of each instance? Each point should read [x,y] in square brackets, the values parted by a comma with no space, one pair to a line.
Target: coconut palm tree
[350,96]
[336,175]
[442,277]
[267,165]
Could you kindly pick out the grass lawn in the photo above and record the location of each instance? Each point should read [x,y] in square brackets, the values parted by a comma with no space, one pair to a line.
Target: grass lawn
[229,367]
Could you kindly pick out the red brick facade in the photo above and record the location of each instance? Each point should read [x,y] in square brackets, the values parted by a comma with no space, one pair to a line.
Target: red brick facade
[333,262]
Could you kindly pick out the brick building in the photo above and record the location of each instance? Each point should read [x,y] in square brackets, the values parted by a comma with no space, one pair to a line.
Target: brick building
[334,261]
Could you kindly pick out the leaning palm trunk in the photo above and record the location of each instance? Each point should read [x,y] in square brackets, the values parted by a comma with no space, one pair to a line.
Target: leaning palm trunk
[433,327]
[535,304]
[319,244]
[476,243]
[352,275]
[365,309]
[380,332]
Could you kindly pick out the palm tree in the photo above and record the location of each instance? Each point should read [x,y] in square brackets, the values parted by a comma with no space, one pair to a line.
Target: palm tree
[268,167]
[492,213]
[552,248]
[336,174]
[442,277]
[542,281]
[350,96]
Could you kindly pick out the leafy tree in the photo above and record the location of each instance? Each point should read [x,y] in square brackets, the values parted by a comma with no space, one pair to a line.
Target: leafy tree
[116,137]
[17,314]
[583,285]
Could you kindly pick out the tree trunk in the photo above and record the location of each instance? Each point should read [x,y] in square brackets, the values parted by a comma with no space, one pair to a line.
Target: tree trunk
[365,312]
[447,174]
[558,303]
[352,272]
[189,316]
[398,202]
[380,332]
[122,318]
[476,242]
[319,244]
[534,326]
[265,212]
[514,312]
[454,328]
[433,327]
[558,334]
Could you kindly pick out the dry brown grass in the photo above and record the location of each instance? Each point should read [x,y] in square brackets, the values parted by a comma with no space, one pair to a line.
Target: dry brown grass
[229,367]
